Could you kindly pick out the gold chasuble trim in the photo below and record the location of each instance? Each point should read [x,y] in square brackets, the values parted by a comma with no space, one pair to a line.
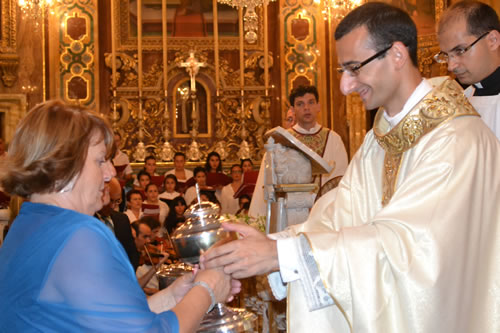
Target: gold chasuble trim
[316,142]
[443,103]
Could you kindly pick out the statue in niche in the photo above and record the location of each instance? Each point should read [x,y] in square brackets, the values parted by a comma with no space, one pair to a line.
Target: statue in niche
[185,103]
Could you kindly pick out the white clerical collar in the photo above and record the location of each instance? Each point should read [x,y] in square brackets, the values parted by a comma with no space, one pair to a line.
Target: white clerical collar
[478,85]
[302,130]
[422,89]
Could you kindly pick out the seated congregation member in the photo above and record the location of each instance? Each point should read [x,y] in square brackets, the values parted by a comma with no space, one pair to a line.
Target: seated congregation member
[117,222]
[144,231]
[179,171]
[244,204]
[134,204]
[229,205]
[200,177]
[153,199]
[169,184]
[143,179]
[62,270]
[175,217]
[149,168]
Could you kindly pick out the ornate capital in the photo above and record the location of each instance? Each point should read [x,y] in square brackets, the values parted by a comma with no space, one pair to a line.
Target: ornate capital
[8,68]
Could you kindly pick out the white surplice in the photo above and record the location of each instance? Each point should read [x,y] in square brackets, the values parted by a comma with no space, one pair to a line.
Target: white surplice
[334,153]
[488,107]
[427,261]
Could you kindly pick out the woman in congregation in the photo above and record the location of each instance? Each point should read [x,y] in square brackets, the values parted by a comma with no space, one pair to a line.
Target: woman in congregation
[152,198]
[200,176]
[175,217]
[246,165]
[229,205]
[169,184]
[62,269]
[213,163]
[134,205]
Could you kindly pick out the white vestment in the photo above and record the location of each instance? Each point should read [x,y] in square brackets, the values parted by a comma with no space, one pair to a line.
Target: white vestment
[187,172]
[334,153]
[488,107]
[426,261]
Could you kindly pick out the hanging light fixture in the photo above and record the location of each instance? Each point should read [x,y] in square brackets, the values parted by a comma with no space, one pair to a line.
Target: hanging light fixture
[337,9]
[250,19]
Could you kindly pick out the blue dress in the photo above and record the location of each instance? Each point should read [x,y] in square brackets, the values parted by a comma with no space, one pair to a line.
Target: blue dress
[62,271]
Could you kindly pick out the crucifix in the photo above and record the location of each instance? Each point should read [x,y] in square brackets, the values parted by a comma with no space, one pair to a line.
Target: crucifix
[192,66]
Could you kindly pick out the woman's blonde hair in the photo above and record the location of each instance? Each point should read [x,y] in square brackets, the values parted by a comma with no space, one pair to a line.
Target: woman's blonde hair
[50,147]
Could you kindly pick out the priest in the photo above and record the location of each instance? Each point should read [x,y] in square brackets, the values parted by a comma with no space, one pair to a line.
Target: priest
[325,142]
[411,241]
[469,38]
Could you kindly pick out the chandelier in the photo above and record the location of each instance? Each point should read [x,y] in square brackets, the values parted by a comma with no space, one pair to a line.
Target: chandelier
[34,9]
[337,9]
[250,19]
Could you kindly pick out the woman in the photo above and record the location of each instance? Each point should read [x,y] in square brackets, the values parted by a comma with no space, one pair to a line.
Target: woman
[213,164]
[176,215]
[169,183]
[229,205]
[63,270]
[200,176]
[134,204]
[246,165]
[153,199]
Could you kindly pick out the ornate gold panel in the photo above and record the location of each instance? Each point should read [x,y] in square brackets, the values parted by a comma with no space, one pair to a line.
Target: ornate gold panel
[9,60]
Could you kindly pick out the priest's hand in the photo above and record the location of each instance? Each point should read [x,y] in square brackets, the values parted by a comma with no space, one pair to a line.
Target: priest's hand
[252,254]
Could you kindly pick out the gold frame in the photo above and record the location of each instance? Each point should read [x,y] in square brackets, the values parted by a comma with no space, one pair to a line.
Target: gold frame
[9,60]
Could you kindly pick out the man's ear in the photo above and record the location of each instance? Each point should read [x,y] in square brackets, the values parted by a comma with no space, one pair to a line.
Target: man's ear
[493,40]
[399,54]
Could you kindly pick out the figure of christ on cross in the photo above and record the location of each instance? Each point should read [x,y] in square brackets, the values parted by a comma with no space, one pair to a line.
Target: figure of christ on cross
[192,66]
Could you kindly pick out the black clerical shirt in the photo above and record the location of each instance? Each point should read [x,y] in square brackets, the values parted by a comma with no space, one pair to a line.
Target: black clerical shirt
[490,86]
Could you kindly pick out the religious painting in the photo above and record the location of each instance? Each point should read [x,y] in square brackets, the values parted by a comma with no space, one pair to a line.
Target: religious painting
[185,18]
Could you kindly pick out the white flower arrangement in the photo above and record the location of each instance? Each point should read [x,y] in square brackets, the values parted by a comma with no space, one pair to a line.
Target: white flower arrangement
[258,223]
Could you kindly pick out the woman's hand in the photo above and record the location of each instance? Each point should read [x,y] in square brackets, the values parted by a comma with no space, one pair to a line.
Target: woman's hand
[218,281]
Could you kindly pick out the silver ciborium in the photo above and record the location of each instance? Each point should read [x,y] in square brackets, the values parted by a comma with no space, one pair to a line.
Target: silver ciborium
[201,230]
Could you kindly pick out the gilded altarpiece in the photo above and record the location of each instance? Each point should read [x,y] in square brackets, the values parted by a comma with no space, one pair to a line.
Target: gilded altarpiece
[73,52]
[227,119]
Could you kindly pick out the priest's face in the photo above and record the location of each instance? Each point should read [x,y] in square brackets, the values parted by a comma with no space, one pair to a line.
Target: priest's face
[306,110]
[476,63]
[374,82]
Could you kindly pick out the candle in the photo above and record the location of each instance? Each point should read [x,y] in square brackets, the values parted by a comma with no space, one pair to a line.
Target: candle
[164,36]
[266,50]
[216,44]
[139,55]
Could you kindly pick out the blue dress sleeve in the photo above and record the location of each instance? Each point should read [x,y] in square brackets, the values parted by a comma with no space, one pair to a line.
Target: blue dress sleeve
[92,287]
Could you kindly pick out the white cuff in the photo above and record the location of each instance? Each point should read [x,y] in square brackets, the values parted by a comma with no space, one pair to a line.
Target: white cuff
[288,258]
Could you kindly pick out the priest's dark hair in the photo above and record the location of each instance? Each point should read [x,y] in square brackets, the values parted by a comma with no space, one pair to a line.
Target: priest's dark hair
[386,25]
[480,17]
[301,91]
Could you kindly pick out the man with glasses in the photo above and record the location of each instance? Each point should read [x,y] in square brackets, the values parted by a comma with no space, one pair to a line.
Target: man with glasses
[469,38]
[410,243]
[116,221]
